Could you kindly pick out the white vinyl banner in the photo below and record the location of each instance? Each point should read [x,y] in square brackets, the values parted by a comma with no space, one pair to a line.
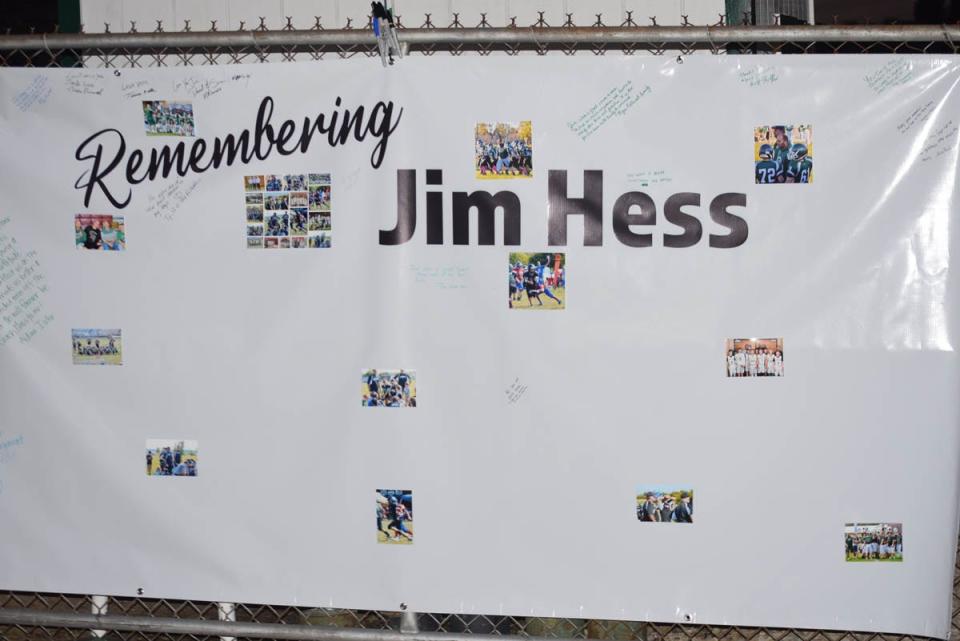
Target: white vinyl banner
[245,308]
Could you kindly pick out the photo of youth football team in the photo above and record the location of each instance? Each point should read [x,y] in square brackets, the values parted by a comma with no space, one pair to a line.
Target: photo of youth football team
[537,281]
[291,211]
[783,154]
[664,505]
[388,388]
[97,347]
[874,541]
[171,457]
[754,357]
[165,118]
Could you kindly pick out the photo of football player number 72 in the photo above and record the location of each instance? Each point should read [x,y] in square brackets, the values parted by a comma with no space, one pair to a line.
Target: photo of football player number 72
[783,154]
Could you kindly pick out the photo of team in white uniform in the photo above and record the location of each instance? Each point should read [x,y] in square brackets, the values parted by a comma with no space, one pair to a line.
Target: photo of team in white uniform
[874,541]
[754,357]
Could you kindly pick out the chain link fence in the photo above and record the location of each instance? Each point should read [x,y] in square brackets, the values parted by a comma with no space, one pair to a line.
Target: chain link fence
[156,46]
[28,616]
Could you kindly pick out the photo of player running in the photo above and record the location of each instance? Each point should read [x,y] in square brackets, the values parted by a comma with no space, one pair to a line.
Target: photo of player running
[99,232]
[537,281]
[751,357]
[388,388]
[97,347]
[171,457]
[664,505]
[395,516]
[783,154]
[319,197]
[873,541]
[165,118]
[503,150]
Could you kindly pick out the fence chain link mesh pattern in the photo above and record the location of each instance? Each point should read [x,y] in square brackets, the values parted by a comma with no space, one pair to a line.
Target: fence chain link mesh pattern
[292,42]
[49,55]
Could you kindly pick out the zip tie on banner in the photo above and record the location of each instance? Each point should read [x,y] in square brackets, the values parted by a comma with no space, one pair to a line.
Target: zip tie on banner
[946,34]
[46,48]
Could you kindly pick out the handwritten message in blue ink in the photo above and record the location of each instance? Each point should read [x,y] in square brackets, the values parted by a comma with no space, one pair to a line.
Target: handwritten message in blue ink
[446,277]
[615,102]
[892,74]
[36,93]
[22,289]
[8,448]
[8,453]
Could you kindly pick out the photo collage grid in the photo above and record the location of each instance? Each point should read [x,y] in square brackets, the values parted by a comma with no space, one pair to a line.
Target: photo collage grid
[291,211]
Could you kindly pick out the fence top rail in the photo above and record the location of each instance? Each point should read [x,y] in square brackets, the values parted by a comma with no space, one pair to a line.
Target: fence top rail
[626,35]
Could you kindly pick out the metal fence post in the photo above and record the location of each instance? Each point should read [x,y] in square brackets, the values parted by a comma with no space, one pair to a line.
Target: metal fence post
[98,606]
[227,612]
[408,623]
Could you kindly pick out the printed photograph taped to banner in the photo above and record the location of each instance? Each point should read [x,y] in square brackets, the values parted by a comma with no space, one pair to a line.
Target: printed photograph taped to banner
[395,516]
[503,150]
[97,231]
[388,388]
[874,541]
[97,347]
[289,211]
[754,357]
[254,183]
[664,504]
[167,118]
[783,154]
[537,281]
[171,457]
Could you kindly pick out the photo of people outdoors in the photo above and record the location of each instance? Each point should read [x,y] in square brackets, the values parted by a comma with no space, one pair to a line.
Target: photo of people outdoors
[874,541]
[388,388]
[395,516]
[254,184]
[97,347]
[754,357]
[283,203]
[171,457]
[165,118]
[664,505]
[100,232]
[503,150]
[783,154]
[537,281]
